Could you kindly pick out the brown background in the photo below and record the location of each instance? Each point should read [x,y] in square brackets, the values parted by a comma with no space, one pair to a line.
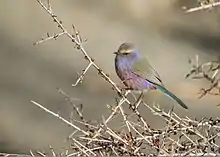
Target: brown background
[166,35]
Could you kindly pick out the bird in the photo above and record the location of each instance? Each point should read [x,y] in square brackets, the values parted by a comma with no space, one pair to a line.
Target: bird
[137,74]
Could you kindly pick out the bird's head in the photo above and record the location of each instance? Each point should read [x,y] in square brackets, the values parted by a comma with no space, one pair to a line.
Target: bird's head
[126,49]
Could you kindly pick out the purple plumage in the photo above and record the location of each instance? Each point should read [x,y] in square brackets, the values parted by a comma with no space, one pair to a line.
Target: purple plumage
[137,74]
[123,67]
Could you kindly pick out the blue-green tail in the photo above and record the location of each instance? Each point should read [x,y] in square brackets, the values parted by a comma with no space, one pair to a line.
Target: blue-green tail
[167,92]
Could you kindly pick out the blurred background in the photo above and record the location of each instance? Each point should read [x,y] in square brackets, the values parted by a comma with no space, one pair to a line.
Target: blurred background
[165,34]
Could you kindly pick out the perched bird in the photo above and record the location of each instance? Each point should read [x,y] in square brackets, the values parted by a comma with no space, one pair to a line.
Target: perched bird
[137,74]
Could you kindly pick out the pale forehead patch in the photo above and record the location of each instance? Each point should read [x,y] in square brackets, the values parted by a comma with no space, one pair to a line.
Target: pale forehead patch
[126,48]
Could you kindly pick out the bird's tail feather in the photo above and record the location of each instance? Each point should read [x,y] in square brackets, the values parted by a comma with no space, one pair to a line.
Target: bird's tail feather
[167,92]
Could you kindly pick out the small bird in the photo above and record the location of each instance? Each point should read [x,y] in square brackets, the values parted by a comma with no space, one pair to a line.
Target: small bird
[136,72]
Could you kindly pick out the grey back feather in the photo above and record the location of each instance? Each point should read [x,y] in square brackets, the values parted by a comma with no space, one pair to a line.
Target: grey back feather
[143,68]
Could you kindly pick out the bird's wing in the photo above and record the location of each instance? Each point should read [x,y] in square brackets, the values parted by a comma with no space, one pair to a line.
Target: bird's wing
[143,68]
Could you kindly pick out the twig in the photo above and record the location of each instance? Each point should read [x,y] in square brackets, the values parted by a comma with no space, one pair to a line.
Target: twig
[59,117]
[212,5]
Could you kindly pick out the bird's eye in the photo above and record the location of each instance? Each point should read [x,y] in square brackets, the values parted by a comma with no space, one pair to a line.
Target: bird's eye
[125,53]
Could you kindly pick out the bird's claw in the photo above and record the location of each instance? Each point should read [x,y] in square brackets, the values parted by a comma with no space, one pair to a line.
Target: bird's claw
[123,91]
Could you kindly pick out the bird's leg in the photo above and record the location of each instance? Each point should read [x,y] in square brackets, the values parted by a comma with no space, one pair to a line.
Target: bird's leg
[137,102]
[125,91]
[140,98]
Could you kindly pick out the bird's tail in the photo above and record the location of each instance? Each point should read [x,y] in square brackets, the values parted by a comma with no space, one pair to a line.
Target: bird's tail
[167,92]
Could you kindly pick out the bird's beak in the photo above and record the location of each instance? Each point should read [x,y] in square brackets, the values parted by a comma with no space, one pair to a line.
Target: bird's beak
[116,53]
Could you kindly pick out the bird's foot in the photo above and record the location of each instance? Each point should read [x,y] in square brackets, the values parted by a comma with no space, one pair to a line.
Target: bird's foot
[137,102]
[124,91]
[139,99]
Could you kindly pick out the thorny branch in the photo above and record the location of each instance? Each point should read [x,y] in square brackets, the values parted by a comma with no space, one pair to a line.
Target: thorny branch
[203,5]
[179,137]
[209,71]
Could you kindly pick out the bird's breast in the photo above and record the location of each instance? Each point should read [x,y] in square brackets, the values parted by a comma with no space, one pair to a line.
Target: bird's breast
[133,81]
